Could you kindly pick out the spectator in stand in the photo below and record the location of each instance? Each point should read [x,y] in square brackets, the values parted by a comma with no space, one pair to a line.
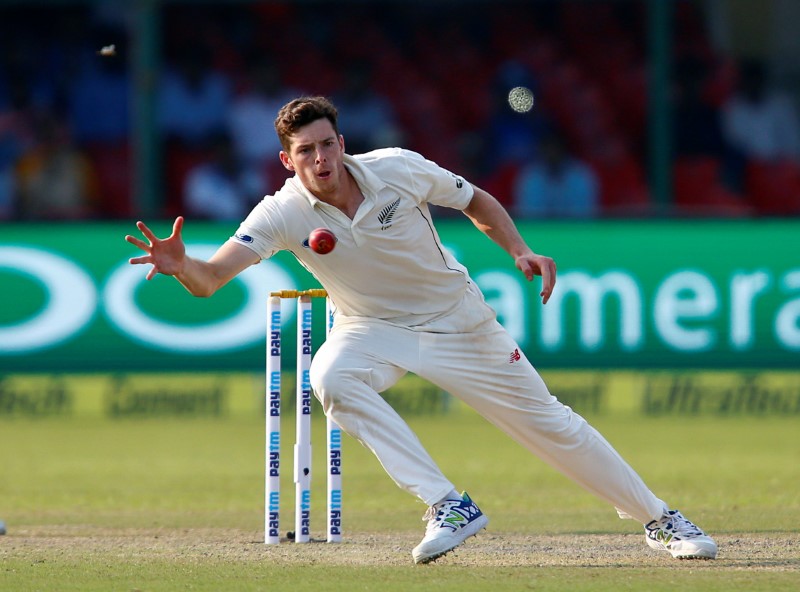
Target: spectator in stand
[367,119]
[100,95]
[193,99]
[54,180]
[17,136]
[697,125]
[510,140]
[23,63]
[222,188]
[557,185]
[759,122]
[762,126]
[252,114]
[514,136]
[706,173]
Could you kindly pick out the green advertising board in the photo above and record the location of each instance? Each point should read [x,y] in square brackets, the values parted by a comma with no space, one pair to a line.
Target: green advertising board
[638,295]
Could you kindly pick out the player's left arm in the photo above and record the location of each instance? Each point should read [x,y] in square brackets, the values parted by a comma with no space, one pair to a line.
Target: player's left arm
[491,218]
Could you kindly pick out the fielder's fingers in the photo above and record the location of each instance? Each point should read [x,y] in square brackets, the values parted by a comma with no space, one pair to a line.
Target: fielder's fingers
[140,260]
[526,268]
[137,242]
[177,226]
[529,272]
[548,282]
[151,274]
[146,231]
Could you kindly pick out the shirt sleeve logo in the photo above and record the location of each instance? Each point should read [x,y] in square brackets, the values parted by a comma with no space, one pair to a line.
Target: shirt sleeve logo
[387,214]
[245,238]
[459,180]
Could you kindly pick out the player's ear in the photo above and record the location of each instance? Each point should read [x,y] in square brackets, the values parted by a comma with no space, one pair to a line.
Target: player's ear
[286,161]
[341,142]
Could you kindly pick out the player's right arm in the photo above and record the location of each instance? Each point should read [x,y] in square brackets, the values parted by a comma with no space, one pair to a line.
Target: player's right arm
[200,278]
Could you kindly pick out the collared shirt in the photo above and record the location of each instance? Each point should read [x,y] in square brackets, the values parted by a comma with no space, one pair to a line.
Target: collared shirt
[389,262]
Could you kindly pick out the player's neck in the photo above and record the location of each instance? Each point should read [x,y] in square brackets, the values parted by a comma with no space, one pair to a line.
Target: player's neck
[348,196]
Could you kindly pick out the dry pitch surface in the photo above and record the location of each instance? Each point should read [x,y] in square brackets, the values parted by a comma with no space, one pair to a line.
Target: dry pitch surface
[761,552]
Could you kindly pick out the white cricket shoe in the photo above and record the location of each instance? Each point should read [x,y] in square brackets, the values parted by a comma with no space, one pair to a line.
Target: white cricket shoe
[450,523]
[674,533]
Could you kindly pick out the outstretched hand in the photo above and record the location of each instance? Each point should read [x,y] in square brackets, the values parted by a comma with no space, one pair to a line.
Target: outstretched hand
[532,265]
[167,256]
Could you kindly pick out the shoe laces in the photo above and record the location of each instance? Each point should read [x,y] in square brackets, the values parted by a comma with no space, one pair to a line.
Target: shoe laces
[675,523]
[435,514]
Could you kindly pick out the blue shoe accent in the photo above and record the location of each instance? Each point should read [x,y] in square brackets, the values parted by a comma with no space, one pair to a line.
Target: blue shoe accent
[450,523]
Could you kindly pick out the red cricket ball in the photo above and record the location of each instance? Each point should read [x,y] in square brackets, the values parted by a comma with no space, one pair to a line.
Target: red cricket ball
[322,241]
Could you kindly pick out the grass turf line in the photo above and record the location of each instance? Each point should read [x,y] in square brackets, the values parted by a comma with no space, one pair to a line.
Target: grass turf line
[87,502]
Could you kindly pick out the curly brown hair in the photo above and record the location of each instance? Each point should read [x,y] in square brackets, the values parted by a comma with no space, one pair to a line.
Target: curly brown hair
[300,112]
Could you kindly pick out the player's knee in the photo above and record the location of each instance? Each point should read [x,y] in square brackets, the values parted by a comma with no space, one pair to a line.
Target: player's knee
[561,425]
[323,380]
[331,384]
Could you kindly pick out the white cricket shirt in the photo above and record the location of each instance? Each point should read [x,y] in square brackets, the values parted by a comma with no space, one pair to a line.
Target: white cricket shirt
[389,262]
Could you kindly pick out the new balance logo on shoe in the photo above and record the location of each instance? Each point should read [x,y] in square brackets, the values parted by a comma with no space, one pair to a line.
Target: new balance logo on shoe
[680,537]
[450,523]
[662,537]
[460,516]
[454,519]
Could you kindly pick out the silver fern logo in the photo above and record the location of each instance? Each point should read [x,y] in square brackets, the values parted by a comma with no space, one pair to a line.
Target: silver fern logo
[387,214]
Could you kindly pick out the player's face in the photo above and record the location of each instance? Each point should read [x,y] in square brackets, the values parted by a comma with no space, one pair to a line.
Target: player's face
[316,154]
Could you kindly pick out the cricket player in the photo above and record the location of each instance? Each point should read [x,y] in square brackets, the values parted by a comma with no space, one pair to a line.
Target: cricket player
[403,303]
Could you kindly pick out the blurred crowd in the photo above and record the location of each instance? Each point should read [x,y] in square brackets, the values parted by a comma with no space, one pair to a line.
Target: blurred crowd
[418,75]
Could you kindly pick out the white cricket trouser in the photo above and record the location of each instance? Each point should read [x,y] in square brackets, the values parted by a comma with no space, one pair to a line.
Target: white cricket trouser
[363,358]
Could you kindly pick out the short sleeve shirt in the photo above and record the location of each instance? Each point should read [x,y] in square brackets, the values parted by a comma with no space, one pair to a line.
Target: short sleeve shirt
[389,262]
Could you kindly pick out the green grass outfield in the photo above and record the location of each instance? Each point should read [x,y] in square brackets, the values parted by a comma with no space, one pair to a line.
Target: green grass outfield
[162,504]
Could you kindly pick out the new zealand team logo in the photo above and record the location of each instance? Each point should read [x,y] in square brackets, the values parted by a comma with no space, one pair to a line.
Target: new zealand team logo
[387,214]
